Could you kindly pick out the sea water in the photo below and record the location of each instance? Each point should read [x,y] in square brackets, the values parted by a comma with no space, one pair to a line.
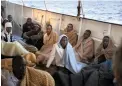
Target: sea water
[102,10]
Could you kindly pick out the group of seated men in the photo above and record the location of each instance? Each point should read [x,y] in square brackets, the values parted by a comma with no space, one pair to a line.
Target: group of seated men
[64,52]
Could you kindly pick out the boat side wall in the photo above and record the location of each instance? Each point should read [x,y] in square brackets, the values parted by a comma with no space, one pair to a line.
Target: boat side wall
[60,21]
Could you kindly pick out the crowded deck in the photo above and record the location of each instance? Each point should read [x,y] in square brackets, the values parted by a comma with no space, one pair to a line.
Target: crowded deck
[64,51]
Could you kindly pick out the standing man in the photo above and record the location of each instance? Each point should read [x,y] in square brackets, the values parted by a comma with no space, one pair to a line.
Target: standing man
[16,29]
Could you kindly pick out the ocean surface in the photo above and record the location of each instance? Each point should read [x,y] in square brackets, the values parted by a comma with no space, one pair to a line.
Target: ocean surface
[102,10]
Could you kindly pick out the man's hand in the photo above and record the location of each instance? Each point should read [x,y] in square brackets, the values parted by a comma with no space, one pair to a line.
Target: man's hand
[25,36]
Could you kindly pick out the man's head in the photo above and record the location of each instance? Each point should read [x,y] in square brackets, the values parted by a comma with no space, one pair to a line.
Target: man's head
[117,65]
[48,29]
[29,21]
[8,27]
[64,41]
[87,34]
[69,27]
[105,42]
[19,67]
[10,18]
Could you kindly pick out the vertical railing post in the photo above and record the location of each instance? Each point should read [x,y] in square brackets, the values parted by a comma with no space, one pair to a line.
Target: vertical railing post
[6,8]
[22,14]
[60,23]
[109,29]
[80,27]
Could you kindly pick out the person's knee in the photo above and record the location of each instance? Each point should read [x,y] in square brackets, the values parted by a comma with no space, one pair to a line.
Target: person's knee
[30,58]
[40,59]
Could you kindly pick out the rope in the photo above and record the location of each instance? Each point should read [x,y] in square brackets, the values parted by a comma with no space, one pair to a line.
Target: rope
[23,2]
[6,8]
[22,12]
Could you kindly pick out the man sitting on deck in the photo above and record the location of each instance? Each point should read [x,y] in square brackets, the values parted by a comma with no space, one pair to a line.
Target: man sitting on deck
[7,32]
[35,36]
[84,49]
[95,74]
[28,26]
[71,34]
[22,75]
[62,55]
[105,50]
[7,36]
[50,38]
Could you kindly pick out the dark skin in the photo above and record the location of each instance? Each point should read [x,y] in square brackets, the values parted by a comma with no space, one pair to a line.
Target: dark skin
[48,30]
[8,29]
[64,42]
[105,42]
[19,67]
[86,34]
[105,45]
[10,18]
[69,27]
[29,21]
